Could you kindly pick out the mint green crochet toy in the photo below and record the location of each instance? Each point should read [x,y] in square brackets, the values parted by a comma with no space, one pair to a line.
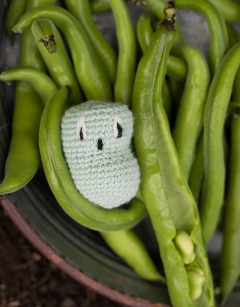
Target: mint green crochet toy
[96,141]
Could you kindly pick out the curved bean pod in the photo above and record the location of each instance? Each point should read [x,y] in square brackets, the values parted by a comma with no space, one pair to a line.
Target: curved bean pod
[144,31]
[214,118]
[217,28]
[230,254]
[58,63]
[123,243]
[82,11]
[127,52]
[20,166]
[40,81]
[88,68]
[189,119]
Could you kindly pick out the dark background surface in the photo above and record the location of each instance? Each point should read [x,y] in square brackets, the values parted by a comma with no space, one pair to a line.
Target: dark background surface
[27,279]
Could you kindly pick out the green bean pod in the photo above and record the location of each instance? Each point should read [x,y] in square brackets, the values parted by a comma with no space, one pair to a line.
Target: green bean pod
[127,52]
[107,55]
[164,189]
[230,254]
[144,31]
[23,156]
[61,183]
[230,10]
[58,63]
[15,10]
[189,119]
[40,81]
[214,118]
[123,243]
[90,73]
[217,28]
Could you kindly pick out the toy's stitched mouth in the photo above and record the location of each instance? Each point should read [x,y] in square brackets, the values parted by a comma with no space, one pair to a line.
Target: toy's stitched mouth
[100,144]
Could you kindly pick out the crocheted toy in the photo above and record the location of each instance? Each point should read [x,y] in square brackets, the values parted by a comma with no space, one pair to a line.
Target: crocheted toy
[96,141]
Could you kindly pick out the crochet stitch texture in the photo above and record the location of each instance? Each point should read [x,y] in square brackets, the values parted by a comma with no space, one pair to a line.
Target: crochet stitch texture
[96,141]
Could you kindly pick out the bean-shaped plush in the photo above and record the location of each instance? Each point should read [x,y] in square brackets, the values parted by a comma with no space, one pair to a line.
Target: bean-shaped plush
[96,141]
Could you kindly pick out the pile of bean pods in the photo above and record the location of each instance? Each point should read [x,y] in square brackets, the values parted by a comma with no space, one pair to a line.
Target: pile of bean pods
[186,128]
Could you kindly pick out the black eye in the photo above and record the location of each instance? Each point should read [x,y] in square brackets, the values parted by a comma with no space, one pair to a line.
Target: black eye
[117,127]
[119,130]
[81,134]
[100,144]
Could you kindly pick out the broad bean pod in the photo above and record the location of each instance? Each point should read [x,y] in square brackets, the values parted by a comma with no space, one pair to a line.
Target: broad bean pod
[189,118]
[230,253]
[107,55]
[217,27]
[197,170]
[19,168]
[58,63]
[144,31]
[87,66]
[188,279]
[214,117]
[123,243]
[127,52]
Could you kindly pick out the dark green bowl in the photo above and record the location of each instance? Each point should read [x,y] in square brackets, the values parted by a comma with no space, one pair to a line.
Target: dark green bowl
[79,252]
